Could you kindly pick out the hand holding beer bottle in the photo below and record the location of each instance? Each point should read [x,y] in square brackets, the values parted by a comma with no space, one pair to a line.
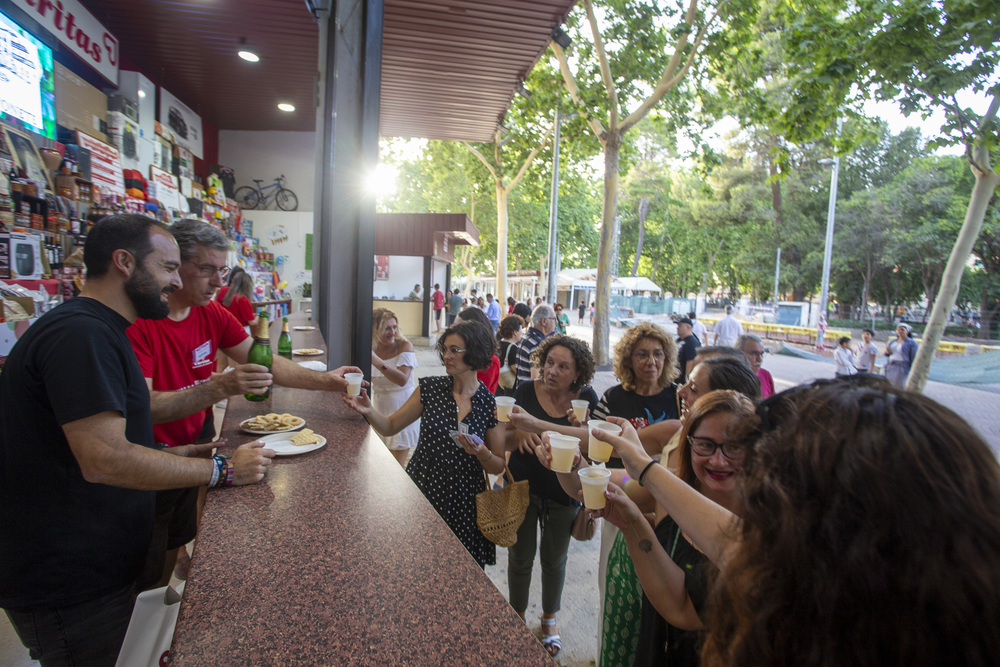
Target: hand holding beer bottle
[260,353]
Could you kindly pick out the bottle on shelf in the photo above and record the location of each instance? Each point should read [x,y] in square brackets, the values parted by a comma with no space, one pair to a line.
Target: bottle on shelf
[285,340]
[260,353]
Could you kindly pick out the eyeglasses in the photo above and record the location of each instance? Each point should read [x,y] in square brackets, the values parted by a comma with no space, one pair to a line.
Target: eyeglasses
[643,355]
[706,447]
[208,270]
[452,351]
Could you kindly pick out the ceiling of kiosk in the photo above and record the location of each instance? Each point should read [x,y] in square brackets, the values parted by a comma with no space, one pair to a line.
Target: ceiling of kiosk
[449,67]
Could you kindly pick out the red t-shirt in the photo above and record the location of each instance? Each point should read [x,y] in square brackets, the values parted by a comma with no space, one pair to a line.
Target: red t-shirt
[240,308]
[766,383]
[438,297]
[180,355]
[491,376]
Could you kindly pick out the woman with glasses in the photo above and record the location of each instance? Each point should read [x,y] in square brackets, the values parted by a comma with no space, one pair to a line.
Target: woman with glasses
[562,319]
[673,573]
[450,471]
[869,533]
[565,368]
[488,376]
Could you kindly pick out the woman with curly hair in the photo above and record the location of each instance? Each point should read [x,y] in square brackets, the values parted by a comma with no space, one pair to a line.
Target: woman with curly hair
[450,476]
[510,331]
[393,361]
[869,533]
[565,369]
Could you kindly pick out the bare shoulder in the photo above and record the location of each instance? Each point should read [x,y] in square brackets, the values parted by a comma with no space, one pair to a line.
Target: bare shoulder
[405,346]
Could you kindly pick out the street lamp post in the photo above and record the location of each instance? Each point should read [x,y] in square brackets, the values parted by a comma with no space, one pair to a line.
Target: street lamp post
[554,208]
[828,248]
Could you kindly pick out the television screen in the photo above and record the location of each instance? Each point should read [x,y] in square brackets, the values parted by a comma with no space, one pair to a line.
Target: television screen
[27,83]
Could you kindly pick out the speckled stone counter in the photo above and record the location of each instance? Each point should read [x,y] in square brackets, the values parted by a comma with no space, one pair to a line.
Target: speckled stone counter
[336,558]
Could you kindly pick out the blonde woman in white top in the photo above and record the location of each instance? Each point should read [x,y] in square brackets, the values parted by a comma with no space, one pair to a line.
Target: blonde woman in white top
[393,362]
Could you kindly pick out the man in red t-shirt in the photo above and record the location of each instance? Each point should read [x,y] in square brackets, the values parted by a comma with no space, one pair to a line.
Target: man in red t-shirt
[177,358]
[438,299]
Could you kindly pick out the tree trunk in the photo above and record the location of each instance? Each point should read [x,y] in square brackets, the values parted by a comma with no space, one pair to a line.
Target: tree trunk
[643,210]
[606,252]
[987,182]
[501,263]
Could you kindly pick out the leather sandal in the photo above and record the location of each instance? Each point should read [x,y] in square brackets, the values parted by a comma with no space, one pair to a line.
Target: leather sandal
[550,643]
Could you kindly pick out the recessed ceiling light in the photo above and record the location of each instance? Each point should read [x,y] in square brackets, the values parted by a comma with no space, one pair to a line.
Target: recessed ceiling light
[246,51]
[284,106]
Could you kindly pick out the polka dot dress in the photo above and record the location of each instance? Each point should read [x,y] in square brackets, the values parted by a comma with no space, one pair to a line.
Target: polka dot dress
[447,476]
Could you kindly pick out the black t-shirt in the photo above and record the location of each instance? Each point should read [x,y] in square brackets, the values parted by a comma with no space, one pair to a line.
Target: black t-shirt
[640,410]
[542,482]
[659,642]
[63,539]
[687,352]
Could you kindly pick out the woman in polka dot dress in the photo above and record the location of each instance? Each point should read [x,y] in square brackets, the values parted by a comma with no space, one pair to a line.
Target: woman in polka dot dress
[450,475]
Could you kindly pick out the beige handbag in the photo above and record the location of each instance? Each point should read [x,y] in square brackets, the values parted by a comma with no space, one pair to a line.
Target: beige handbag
[500,512]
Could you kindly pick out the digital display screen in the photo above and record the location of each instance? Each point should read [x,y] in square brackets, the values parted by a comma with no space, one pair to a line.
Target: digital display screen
[27,83]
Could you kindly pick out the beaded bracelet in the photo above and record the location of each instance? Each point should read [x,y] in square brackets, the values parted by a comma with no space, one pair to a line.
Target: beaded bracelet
[219,462]
[644,471]
[228,478]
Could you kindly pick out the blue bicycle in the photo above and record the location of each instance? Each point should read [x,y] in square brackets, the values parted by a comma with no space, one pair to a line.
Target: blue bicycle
[257,197]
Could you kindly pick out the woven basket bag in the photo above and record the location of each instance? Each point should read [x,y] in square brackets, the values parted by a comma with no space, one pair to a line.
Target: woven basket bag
[500,512]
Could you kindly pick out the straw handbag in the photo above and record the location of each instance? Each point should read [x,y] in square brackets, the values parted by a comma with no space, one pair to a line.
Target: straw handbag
[499,512]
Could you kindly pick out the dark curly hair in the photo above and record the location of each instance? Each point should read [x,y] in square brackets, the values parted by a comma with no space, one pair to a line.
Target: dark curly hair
[870,536]
[584,360]
[626,346]
[478,341]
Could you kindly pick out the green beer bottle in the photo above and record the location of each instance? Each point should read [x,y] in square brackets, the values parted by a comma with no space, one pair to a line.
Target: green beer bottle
[260,353]
[285,340]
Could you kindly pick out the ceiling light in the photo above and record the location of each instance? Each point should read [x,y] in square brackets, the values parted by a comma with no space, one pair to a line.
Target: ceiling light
[246,51]
[285,106]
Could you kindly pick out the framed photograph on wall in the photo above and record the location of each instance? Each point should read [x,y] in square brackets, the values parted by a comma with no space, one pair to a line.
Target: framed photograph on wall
[26,155]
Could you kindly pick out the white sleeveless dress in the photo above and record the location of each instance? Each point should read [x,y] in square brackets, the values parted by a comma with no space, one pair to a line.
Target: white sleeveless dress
[388,397]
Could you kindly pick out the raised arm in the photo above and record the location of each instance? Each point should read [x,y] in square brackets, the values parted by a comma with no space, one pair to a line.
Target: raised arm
[387,425]
[661,578]
[710,526]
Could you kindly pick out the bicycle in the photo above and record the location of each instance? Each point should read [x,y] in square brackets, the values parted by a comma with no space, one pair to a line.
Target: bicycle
[256,197]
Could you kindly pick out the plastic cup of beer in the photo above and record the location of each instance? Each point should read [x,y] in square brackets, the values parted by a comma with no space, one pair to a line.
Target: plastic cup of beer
[580,409]
[504,404]
[563,449]
[598,450]
[595,483]
[354,383]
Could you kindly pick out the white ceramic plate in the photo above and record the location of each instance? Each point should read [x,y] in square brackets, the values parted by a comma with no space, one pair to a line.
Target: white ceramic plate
[284,430]
[300,328]
[283,446]
[307,352]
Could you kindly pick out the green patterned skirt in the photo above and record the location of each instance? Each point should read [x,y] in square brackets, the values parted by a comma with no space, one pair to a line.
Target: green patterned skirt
[622,608]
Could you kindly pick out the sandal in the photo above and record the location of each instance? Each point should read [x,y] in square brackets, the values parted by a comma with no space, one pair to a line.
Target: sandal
[550,643]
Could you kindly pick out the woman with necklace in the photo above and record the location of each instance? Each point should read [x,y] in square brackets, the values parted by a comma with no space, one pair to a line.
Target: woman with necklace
[393,362]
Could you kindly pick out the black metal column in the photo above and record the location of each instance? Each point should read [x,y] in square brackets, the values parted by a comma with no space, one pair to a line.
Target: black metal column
[426,318]
[348,88]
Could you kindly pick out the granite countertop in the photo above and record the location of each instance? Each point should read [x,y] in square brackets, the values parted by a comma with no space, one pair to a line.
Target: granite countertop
[336,558]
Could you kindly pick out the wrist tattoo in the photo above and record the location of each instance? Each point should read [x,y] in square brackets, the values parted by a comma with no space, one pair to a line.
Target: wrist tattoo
[645,546]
